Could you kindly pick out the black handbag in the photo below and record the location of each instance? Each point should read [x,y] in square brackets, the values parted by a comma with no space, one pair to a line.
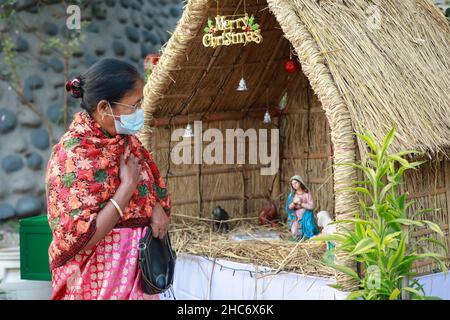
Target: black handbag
[157,263]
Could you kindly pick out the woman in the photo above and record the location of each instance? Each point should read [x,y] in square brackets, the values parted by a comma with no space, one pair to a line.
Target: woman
[103,189]
[299,207]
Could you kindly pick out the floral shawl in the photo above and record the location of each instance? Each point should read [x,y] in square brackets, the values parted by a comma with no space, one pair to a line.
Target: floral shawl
[83,174]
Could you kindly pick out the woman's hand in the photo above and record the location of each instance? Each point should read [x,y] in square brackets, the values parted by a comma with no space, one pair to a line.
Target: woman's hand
[129,173]
[291,206]
[160,222]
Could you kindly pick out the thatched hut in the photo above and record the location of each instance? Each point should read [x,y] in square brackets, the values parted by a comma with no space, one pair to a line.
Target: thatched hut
[364,65]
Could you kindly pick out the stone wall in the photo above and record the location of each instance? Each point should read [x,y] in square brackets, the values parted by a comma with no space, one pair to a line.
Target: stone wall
[125,29]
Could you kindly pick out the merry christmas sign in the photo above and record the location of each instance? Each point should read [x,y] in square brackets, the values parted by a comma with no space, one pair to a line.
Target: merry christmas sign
[228,31]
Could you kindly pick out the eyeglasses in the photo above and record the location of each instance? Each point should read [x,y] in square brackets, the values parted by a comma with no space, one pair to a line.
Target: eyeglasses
[138,105]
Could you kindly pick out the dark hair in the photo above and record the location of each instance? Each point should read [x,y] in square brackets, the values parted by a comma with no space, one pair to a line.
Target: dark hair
[304,188]
[108,79]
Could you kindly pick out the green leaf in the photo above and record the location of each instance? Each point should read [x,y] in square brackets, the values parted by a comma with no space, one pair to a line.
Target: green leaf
[399,254]
[331,237]
[143,190]
[68,179]
[357,189]
[433,226]
[436,242]
[387,141]
[53,223]
[406,222]
[209,22]
[386,189]
[346,270]
[72,142]
[100,175]
[75,212]
[355,295]
[432,298]
[363,246]
[419,212]
[391,236]
[206,30]
[402,161]
[370,142]
[394,294]
[414,291]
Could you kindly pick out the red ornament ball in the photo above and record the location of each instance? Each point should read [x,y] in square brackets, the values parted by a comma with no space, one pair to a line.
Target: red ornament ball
[291,66]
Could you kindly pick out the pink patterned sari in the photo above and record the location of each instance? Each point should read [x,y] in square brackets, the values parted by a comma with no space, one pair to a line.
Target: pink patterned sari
[109,271]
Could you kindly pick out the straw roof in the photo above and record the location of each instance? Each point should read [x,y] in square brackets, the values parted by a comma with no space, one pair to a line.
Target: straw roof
[398,73]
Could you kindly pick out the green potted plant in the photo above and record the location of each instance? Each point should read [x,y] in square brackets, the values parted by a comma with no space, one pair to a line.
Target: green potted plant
[382,227]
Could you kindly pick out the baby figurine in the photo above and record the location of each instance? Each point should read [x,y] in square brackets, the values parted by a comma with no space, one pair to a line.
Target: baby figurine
[324,221]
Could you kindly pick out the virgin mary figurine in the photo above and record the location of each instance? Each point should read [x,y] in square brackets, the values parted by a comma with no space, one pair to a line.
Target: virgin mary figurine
[299,208]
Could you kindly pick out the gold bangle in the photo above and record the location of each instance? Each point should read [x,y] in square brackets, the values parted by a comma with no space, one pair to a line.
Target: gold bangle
[117,207]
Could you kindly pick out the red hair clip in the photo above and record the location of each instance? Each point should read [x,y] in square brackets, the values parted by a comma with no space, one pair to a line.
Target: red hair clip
[74,87]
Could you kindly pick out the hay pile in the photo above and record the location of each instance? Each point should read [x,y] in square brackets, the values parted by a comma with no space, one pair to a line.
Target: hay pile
[195,236]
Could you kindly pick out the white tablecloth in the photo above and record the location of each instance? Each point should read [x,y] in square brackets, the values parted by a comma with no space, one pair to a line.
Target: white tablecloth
[197,277]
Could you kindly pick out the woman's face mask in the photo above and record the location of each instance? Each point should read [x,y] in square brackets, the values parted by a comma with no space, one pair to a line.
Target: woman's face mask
[128,123]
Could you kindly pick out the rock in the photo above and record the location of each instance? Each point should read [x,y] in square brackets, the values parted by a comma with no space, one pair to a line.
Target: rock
[148,25]
[21,44]
[54,96]
[43,66]
[41,190]
[118,48]
[135,6]
[153,38]
[93,28]
[22,184]
[33,9]
[29,118]
[98,11]
[50,28]
[8,120]
[135,55]
[34,161]
[19,145]
[89,60]
[6,211]
[55,113]
[40,139]
[12,163]
[135,19]
[34,82]
[124,3]
[175,12]
[100,50]
[56,64]
[28,94]
[132,34]
[145,49]
[28,206]
[77,53]
[2,190]
[122,16]
[110,3]
[146,35]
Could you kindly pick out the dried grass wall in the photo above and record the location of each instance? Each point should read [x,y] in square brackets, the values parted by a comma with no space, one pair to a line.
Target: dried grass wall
[430,188]
[241,189]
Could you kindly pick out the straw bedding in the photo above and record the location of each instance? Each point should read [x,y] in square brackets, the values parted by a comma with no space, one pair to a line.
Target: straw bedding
[195,236]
